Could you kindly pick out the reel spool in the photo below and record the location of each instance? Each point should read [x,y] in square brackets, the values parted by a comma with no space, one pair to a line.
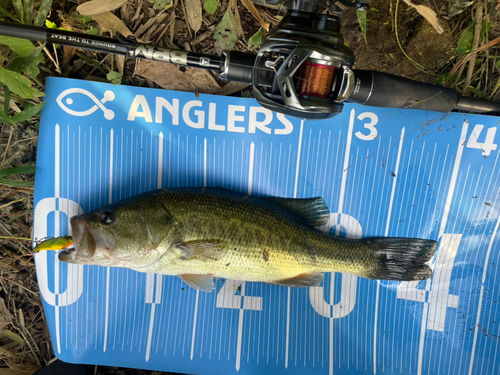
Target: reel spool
[314,79]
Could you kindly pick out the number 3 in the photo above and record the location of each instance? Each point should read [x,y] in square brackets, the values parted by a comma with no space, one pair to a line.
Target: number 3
[369,125]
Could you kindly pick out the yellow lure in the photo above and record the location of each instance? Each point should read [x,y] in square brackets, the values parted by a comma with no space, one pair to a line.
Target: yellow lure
[57,243]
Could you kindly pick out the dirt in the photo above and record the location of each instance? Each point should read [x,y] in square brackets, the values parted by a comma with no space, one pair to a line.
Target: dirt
[381,50]
[434,53]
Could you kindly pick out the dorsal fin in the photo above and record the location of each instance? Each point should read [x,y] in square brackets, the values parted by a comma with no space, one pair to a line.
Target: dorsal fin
[313,211]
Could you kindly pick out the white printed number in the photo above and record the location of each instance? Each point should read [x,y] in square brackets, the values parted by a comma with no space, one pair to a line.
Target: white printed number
[227,298]
[436,295]
[349,282]
[488,145]
[369,125]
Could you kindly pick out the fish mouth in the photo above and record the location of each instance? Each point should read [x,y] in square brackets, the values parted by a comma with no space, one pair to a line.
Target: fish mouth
[89,243]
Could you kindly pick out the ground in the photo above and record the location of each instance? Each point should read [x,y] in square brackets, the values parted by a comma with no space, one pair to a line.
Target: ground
[398,40]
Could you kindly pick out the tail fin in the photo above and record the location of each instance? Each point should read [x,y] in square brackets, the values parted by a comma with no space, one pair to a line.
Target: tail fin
[401,259]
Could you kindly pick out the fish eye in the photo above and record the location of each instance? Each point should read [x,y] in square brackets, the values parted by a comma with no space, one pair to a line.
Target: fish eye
[107,218]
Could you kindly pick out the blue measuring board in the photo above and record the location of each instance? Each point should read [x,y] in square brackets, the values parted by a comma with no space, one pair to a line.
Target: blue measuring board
[382,172]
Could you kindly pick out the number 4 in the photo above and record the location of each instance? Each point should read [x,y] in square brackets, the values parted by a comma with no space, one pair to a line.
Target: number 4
[487,146]
[436,295]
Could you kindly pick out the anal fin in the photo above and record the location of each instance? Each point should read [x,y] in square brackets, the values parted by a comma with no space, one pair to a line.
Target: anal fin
[302,280]
[205,283]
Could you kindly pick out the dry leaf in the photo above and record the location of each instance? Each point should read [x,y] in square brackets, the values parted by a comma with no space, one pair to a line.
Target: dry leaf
[249,5]
[112,24]
[458,7]
[193,9]
[202,37]
[172,22]
[5,315]
[158,27]
[69,52]
[18,362]
[120,63]
[427,13]
[239,28]
[99,6]
[186,18]
[7,353]
[151,22]
[263,3]
[171,77]
[232,87]
[137,12]
[126,13]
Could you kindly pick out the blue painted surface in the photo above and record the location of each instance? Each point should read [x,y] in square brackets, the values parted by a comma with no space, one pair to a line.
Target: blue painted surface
[382,172]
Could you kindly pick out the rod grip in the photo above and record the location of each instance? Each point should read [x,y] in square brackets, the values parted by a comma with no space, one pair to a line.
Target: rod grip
[379,89]
[23,31]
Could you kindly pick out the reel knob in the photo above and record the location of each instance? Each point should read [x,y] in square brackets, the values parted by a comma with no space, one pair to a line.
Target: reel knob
[328,23]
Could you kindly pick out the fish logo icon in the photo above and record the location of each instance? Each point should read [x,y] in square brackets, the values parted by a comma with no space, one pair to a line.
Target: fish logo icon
[99,104]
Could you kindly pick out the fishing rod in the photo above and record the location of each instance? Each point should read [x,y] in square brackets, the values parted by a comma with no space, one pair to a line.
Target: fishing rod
[303,68]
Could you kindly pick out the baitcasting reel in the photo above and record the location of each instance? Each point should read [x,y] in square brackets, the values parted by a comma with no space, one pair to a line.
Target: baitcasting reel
[308,68]
[303,68]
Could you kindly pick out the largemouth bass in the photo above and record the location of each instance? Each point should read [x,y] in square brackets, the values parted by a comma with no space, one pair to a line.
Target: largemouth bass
[200,234]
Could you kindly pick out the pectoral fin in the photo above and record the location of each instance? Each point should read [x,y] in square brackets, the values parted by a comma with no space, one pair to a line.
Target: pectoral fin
[302,280]
[205,283]
[209,250]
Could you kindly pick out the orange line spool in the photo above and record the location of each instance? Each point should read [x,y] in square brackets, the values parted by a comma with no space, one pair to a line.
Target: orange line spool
[315,79]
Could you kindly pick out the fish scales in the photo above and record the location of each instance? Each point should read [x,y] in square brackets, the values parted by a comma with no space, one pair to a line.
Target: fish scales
[261,239]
